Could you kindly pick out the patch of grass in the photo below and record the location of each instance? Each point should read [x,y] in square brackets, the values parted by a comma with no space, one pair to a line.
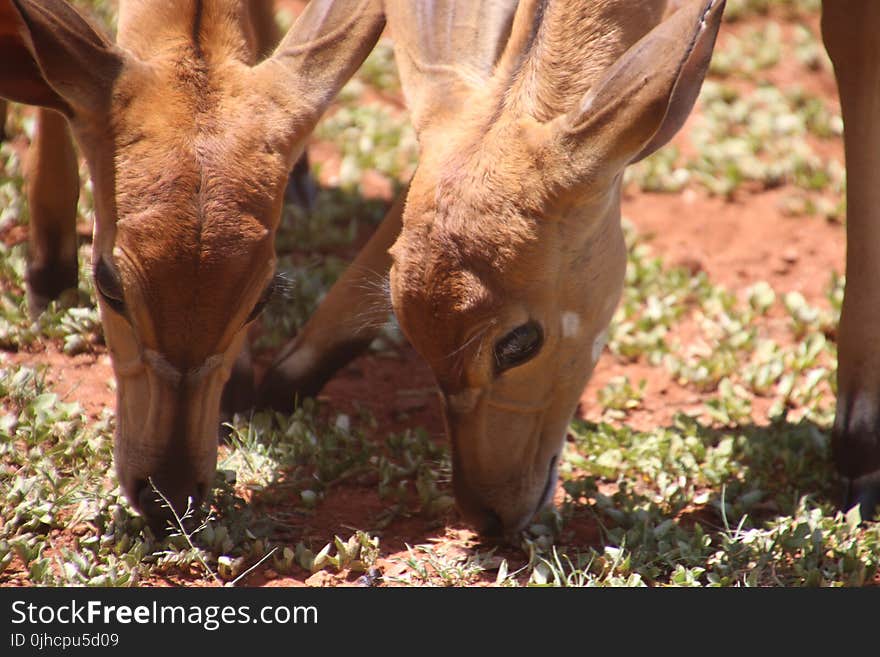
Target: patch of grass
[759,137]
[378,71]
[618,397]
[371,137]
[737,10]
[55,465]
[429,566]
[413,463]
[694,505]
[756,50]
[728,352]
[73,319]
[58,477]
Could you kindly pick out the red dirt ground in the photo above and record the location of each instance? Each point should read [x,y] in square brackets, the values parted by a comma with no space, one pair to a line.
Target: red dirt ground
[737,243]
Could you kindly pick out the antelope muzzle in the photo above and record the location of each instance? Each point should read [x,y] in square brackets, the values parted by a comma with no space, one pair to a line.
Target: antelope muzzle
[167,434]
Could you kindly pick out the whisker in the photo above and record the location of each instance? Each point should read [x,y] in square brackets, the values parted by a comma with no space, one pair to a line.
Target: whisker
[369,320]
[376,288]
[479,334]
[375,301]
[482,342]
[372,280]
[284,285]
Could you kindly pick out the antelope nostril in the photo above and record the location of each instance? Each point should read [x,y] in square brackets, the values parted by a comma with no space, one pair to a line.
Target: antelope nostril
[493,526]
[164,509]
[202,490]
[151,506]
[144,497]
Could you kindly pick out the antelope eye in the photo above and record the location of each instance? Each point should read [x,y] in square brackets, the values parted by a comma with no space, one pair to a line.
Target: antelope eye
[108,286]
[518,346]
[264,299]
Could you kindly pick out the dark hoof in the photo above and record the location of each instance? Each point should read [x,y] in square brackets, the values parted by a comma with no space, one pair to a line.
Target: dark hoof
[855,449]
[45,283]
[864,493]
[302,190]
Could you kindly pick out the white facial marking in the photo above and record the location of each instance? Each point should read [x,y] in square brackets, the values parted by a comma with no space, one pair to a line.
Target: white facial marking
[162,367]
[571,324]
[212,363]
[599,345]
[174,375]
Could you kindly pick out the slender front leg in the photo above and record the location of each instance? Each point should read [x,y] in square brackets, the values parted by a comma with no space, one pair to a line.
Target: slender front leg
[849,28]
[52,175]
[345,323]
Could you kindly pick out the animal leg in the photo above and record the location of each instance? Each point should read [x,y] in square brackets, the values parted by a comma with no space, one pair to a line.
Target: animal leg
[345,323]
[52,176]
[849,30]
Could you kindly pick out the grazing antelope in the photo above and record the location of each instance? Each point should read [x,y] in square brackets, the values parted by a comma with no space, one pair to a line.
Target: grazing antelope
[509,260]
[189,142]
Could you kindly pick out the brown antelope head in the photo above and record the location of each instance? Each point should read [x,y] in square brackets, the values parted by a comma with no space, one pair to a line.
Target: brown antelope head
[511,258]
[189,143]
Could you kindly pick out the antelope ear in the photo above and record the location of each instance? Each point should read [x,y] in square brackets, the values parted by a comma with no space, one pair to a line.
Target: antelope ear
[446,49]
[644,98]
[51,56]
[322,50]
